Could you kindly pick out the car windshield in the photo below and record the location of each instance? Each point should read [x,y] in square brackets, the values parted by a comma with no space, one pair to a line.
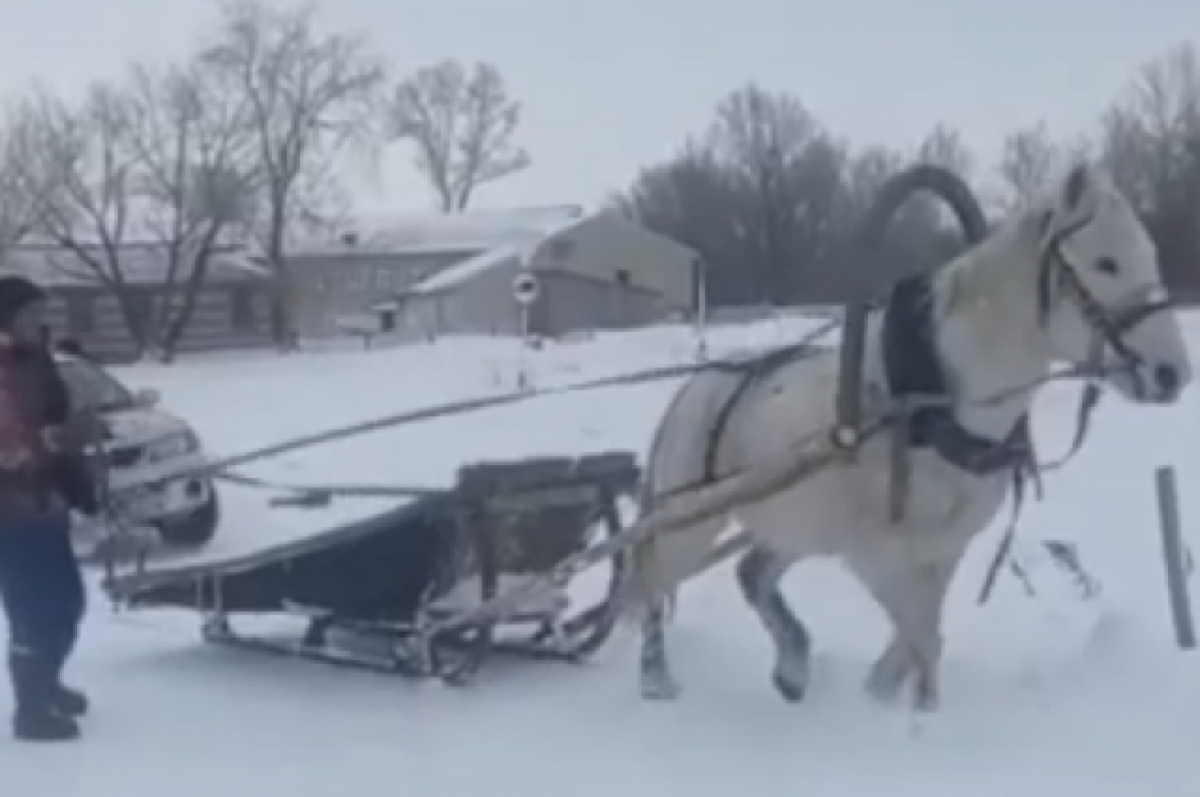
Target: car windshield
[90,386]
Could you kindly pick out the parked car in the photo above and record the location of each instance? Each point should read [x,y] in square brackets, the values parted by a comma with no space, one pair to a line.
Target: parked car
[144,444]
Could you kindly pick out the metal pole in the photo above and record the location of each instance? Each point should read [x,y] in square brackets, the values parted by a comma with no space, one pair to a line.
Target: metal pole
[524,375]
[701,282]
[1175,558]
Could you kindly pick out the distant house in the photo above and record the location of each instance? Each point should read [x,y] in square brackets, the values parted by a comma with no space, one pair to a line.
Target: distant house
[453,274]
[231,309]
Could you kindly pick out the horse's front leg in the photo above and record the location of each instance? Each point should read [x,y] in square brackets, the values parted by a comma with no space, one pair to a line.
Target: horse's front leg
[655,677]
[913,595]
[890,670]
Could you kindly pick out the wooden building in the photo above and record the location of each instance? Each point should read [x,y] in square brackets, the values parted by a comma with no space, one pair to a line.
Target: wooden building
[232,308]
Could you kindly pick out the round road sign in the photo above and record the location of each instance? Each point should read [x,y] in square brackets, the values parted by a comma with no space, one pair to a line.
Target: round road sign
[526,287]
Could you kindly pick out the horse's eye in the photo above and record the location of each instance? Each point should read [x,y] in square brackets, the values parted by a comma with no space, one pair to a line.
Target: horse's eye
[1106,265]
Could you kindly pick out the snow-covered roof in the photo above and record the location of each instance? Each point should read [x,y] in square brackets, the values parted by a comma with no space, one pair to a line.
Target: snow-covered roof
[474,230]
[51,265]
[513,242]
[461,272]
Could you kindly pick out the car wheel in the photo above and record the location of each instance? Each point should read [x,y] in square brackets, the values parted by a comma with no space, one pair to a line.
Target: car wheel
[194,529]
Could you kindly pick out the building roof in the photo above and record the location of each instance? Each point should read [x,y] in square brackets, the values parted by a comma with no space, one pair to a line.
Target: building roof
[53,266]
[515,244]
[467,232]
[459,273]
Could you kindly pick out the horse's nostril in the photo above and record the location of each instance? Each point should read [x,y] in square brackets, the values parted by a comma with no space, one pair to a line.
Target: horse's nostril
[1166,379]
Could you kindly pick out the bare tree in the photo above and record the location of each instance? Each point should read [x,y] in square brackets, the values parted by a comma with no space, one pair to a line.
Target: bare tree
[462,123]
[1027,163]
[198,176]
[695,200]
[311,96]
[944,146]
[1031,159]
[78,164]
[773,201]
[18,198]
[789,170]
[863,177]
[1151,143]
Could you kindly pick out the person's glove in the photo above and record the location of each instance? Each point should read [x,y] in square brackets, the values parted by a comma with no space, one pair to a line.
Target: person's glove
[89,534]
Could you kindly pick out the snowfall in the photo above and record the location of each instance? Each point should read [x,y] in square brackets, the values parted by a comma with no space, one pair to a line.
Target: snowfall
[1044,695]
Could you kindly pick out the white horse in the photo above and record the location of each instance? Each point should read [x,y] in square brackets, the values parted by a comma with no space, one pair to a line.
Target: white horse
[1074,278]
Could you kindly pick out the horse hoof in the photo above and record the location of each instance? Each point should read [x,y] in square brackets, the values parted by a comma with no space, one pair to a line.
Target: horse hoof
[659,689]
[884,689]
[925,704]
[886,680]
[790,687]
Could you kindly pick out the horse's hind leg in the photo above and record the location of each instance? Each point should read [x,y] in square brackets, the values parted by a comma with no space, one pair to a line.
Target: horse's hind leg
[656,680]
[759,573]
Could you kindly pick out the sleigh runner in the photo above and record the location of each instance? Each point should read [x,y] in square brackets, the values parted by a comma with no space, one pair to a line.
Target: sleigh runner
[430,589]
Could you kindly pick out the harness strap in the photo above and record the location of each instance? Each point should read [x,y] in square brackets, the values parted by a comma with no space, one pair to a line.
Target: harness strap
[1087,407]
[1006,541]
[753,371]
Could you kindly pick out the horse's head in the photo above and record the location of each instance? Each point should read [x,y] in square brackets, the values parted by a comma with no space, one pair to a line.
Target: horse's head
[1101,291]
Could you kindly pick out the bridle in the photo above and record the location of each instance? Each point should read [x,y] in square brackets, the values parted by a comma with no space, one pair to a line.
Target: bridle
[1059,279]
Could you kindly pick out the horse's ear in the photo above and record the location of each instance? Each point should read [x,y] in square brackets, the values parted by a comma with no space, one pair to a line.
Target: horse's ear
[1075,187]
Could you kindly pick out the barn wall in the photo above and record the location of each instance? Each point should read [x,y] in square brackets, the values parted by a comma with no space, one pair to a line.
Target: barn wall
[226,316]
[609,248]
[329,286]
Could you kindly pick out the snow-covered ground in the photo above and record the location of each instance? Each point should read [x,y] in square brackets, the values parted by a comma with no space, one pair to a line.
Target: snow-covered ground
[1043,696]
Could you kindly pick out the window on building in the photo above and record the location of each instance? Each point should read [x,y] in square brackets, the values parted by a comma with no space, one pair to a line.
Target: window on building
[346,279]
[387,278]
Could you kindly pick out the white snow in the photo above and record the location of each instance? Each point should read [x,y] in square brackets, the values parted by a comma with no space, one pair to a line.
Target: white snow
[461,272]
[1043,696]
[415,233]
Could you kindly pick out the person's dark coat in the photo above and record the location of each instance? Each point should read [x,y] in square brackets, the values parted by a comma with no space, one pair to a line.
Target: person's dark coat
[57,469]
[42,473]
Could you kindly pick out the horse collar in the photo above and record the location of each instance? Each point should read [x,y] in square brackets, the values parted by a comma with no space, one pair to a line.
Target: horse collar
[912,368]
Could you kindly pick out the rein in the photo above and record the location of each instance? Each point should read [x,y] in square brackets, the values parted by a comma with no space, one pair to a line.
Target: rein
[1109,326]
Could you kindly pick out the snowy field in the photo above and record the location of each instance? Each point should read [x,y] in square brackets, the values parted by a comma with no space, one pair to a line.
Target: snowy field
[1045,696]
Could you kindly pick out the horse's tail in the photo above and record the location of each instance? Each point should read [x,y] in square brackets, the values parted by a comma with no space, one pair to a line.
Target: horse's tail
[635,596]
[640,591]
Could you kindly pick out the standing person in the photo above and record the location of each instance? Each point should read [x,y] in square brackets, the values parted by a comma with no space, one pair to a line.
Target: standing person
[40,481]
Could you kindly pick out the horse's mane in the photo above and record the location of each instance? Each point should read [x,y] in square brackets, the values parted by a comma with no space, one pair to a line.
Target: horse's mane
[982,273]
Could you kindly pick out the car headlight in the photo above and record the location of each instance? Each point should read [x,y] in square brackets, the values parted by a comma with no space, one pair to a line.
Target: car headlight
[176,445]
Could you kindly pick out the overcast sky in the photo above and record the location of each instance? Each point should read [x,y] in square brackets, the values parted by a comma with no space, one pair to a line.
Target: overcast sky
[612,84]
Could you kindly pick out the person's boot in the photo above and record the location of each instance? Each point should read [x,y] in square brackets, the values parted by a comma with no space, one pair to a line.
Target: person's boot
[65,700]
[69,702]
[35,718]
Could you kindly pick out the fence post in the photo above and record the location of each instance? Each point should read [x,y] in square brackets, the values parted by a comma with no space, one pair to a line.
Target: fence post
[1175,558]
